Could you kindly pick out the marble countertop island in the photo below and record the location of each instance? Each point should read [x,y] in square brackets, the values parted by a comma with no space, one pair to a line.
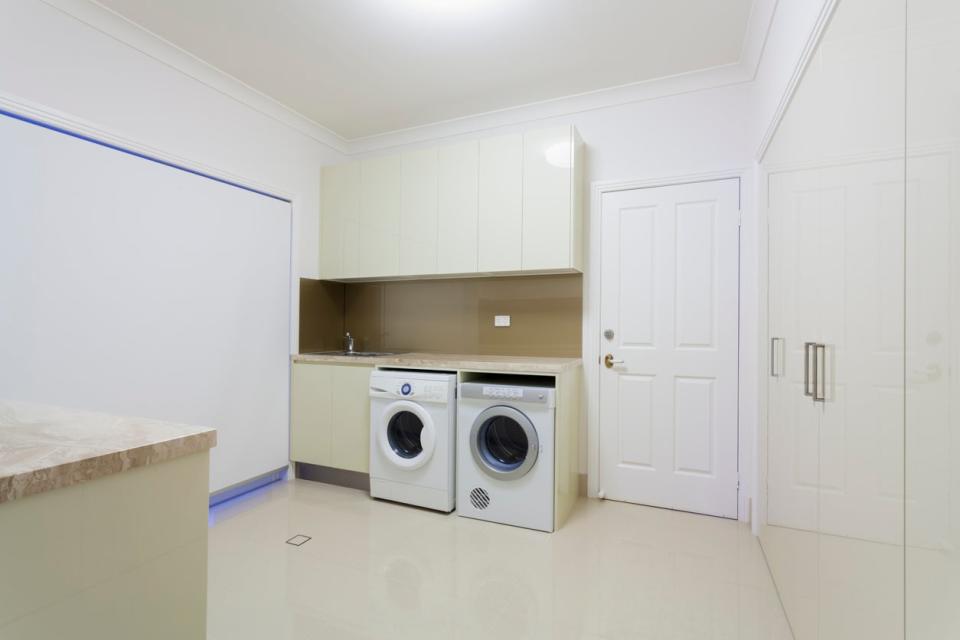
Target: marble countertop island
[44,448]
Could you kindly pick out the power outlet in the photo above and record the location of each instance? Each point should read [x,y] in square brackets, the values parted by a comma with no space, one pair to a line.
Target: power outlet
[501,321]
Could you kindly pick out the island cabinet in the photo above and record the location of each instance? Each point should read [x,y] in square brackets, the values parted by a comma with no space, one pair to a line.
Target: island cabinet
[330,415]
[103,523]
[507,204]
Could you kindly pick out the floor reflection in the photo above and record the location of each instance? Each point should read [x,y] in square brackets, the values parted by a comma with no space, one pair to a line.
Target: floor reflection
[376,570]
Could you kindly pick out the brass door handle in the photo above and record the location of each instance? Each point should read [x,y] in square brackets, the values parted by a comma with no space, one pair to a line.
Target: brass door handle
[609,362]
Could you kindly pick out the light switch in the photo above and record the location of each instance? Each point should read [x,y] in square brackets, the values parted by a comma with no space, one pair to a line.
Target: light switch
[501,321]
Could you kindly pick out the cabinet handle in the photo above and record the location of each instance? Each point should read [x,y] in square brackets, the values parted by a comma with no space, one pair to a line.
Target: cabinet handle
[807,346]
[820,373]
[774,357]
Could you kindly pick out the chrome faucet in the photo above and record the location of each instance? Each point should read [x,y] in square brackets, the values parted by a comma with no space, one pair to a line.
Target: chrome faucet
[349,341]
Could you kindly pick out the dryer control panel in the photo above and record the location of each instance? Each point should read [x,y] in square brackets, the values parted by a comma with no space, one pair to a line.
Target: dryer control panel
[507,393]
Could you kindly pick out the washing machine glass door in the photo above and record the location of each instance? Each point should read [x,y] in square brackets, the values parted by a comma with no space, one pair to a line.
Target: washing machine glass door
[504,443]
[406,434]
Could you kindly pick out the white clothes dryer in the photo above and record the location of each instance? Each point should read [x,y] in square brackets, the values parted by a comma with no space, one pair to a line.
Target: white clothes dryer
[413,437]
[505,457]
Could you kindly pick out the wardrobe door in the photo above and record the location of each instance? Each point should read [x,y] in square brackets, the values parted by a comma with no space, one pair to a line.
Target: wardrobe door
[932,368]
[789,536]
[860,65]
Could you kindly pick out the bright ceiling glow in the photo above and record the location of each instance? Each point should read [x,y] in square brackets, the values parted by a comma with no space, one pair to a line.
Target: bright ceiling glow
[448,6]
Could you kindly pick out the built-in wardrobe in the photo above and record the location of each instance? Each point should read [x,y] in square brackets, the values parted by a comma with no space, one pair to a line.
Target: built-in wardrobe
[860,472]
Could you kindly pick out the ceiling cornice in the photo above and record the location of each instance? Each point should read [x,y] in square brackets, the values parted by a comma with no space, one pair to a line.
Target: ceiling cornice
[116,26]
[123,30]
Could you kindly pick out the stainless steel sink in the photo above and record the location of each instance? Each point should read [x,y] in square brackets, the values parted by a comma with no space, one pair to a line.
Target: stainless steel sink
[352,354]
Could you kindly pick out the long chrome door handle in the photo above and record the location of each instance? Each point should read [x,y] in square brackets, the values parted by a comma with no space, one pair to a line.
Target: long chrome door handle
[774,357]
[806,368]
[820,373]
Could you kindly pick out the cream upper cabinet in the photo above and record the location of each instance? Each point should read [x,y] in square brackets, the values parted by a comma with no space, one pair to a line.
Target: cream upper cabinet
[418,212]
[340,220]
[551,200]
[380,190]
[457,192]
[500,201]
[500,204]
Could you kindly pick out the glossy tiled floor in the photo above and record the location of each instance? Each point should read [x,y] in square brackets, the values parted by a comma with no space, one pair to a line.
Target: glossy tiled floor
[380,570]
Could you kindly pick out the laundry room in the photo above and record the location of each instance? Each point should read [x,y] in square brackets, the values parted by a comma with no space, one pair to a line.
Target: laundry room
[479,319]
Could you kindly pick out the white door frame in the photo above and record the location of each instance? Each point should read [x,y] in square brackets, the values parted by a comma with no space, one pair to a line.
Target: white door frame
[749,352]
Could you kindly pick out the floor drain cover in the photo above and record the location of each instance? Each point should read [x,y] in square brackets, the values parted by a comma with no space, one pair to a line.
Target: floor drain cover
[298,540]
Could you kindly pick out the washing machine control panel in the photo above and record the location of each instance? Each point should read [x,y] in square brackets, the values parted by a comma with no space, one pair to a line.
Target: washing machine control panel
[422,390]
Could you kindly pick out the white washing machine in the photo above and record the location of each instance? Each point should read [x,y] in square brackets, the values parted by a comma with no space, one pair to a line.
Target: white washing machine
[413,417]
[505,457]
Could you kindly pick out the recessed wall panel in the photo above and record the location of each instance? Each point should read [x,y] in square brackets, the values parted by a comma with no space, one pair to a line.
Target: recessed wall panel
[695,274]
[637,276]
[635,420]
[694,425]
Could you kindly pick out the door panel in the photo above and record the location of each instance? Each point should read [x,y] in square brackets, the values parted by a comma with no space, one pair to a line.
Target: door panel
[457,236]
[379,217]
[418,212]
[670,260]
[501,203]
[548,198]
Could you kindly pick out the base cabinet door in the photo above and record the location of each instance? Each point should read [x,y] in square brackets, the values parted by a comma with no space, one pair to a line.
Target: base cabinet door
[330,415]
[350,418]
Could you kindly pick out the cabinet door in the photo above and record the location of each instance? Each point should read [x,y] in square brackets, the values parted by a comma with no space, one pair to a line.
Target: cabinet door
[379,217]
[310,405]
[547,199]
[457,192]
[350,418]
[339,219]
[500,203]
[418,212]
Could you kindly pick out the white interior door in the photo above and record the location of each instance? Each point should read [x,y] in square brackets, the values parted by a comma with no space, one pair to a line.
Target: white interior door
[670,306]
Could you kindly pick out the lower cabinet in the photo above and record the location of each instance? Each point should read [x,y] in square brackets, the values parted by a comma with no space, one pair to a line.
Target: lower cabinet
[330,415]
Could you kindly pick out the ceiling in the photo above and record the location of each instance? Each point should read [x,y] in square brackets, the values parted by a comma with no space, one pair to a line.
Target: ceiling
[368,67]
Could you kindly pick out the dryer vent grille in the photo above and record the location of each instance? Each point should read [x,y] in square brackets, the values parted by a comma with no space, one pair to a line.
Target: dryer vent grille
[479,498]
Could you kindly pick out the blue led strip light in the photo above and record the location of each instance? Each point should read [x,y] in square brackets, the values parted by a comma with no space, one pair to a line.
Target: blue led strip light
[136,154]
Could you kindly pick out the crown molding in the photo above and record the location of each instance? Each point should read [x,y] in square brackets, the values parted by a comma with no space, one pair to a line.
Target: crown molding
[745,70]
[809,48]
[755,37]
[116,26]
[556,108]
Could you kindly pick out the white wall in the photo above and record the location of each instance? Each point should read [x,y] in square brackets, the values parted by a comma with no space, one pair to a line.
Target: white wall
[51,58]
[57,62]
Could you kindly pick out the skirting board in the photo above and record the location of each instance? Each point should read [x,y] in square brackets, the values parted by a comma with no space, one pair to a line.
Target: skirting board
[329,475]
[358,480]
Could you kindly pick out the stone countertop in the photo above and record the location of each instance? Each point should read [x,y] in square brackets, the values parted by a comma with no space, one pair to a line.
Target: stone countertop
[457,362]
[44,448]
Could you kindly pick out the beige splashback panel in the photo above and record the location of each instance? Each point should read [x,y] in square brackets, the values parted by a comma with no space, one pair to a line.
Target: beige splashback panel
[321,315]
[452,315]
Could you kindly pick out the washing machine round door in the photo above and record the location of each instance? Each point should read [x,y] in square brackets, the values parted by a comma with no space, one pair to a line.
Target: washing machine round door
[504,443]
[406,434]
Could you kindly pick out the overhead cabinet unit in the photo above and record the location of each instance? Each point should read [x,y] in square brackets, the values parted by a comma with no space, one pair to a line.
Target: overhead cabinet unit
[506,204]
